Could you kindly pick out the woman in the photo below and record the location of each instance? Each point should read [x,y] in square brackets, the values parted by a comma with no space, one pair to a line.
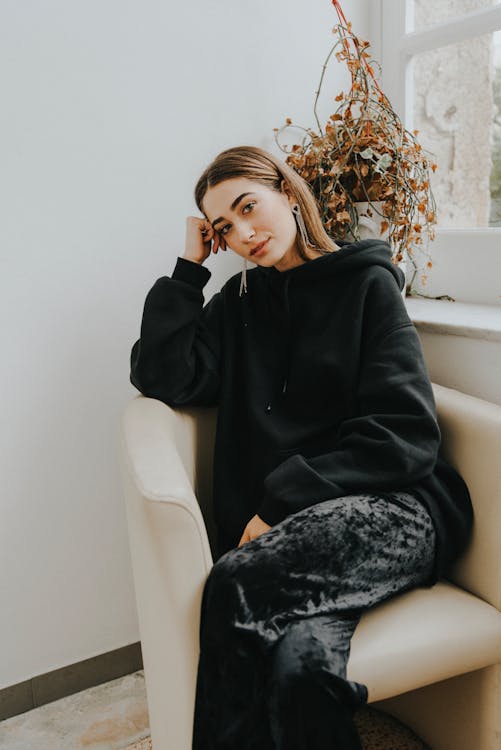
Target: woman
[329,492]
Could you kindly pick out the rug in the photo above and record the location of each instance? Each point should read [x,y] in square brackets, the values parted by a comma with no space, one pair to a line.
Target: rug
[377,730]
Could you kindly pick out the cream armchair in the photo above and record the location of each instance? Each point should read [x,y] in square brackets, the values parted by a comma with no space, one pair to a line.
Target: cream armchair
[431,656]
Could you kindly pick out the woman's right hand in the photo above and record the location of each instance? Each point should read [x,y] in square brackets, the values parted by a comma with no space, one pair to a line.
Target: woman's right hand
[201,237]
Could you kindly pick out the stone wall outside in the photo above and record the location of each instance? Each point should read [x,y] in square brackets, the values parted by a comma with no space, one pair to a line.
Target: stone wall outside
[454,112]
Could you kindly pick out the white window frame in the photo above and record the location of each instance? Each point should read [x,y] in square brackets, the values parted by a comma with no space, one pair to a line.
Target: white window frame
[467,262]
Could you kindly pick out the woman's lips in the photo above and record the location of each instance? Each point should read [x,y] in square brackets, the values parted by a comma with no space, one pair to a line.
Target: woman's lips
[260,249]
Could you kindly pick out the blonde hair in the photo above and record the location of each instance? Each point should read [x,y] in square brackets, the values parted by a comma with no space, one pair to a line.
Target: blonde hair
[256,164]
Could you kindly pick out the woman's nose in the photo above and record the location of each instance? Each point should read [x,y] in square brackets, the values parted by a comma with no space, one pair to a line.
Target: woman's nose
[247,233]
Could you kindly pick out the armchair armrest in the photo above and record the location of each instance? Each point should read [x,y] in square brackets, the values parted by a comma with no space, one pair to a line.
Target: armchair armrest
[170,555]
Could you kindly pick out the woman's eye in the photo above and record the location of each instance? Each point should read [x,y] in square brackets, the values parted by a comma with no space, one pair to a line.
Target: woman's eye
[224,230]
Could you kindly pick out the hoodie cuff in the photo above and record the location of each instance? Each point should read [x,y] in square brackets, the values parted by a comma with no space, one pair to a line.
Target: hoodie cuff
[191,273]
[271,510]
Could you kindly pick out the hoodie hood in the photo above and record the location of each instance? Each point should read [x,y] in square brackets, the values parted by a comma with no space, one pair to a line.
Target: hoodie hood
[350,257]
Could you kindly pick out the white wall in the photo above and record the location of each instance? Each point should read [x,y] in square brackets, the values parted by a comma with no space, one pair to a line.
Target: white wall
[110,110]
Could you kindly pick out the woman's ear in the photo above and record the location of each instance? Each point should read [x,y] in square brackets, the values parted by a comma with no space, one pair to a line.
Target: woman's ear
[287,191]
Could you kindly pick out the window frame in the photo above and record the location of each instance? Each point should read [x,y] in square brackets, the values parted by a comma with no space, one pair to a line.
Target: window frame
[394,44]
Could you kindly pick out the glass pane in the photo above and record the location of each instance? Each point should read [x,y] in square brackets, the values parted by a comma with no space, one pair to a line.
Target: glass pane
[429,12]
[457,111]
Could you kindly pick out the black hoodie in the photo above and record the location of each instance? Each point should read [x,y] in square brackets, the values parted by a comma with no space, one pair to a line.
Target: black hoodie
[321,387]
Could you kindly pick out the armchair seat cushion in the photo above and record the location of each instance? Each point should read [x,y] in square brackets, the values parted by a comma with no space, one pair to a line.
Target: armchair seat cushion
[421,637]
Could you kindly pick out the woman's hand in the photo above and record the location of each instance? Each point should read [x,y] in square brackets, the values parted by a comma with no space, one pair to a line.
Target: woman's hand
[254,528]
[200,235]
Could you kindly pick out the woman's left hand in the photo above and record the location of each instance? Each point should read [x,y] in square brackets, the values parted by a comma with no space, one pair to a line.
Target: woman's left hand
[254,528]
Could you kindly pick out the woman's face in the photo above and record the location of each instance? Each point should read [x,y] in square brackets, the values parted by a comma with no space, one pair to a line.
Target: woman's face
[247,214]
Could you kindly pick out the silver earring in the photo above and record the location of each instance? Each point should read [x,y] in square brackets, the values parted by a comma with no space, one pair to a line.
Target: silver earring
[301,225]
[243,279]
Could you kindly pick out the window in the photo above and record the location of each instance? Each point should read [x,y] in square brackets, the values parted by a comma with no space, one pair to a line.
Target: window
[441,66]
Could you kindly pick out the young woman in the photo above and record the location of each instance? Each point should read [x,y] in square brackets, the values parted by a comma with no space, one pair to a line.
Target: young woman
[330,495]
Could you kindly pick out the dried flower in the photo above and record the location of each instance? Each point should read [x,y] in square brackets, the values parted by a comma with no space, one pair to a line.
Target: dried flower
[365,154]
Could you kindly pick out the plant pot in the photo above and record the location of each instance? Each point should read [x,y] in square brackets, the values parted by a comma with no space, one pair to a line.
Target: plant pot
[369,227]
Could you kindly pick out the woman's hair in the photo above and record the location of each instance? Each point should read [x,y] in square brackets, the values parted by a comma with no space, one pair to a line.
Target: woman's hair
[256,164]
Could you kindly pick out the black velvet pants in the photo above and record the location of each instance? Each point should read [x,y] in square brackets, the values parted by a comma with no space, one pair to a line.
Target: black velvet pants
[278,615]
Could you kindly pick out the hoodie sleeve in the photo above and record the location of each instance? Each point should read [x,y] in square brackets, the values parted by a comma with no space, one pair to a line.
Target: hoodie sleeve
[390,443]
[177,357]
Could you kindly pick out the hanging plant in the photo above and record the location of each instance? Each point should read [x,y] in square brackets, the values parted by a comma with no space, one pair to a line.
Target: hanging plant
[365,154]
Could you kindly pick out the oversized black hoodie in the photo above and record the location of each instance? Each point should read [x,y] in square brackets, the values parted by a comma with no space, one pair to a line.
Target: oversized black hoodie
[321,386]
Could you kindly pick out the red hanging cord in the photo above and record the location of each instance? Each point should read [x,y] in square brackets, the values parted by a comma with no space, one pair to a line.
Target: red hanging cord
[339,11]
[342,18]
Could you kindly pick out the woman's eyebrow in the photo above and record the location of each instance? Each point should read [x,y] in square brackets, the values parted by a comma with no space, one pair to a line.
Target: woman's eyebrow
[232,207]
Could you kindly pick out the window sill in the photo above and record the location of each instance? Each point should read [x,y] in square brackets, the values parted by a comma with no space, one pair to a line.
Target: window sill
[455,318]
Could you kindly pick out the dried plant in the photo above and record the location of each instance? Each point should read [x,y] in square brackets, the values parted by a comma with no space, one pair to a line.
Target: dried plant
[366,154]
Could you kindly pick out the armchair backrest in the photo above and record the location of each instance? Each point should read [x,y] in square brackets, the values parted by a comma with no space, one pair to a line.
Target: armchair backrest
[471,442]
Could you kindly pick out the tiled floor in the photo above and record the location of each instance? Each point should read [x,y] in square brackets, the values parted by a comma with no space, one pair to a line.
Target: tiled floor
[107,717]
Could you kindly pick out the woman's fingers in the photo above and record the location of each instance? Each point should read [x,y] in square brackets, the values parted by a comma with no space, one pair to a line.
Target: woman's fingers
[219,242]
[211,237]
[206,231]
[244,538]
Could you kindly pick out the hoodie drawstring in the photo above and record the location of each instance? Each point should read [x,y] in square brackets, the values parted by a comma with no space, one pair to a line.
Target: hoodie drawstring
[284,380]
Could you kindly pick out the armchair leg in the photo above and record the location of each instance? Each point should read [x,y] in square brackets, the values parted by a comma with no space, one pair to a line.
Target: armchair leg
[463,712]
